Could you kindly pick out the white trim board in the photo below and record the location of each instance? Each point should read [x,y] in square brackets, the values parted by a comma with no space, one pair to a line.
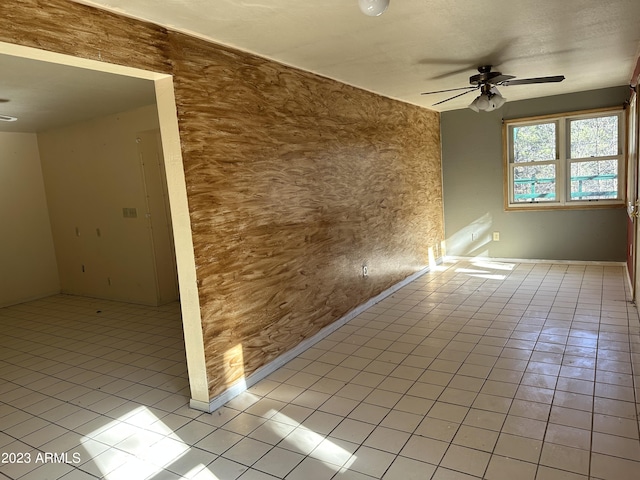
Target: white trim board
[535,260]
[245,383]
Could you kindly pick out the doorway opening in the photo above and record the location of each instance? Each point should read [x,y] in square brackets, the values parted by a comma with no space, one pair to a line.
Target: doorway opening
[171,169]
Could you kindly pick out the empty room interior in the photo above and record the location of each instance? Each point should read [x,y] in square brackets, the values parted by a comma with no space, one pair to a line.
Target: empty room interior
[350,240]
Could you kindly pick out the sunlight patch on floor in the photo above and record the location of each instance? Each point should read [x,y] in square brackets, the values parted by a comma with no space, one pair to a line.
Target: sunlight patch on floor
[305,439]
[142,446]
[493,265]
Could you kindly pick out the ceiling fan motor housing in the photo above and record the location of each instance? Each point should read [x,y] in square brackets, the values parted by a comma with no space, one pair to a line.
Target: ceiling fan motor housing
[485,76]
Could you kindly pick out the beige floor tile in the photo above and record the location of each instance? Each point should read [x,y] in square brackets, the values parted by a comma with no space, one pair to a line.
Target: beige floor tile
[387,439]
[369,413]
[571,417]
[477,438]
[335,451]
[500,389]
[410,404]
[614,407]
[399,420]
[569,436]
[524,427]
[371,461]
[219,441]
[424,449]
[448,474]
[565,458]
[478,371]
[504,375]
[492,403]
[466,460]
[575,385]
[617,392]
[535,394]
[247,451]
[311,469]
[573,400]
[457,396]
[353,430]
[503,468]
[485,419]
[528,409]
[521,448]
[409,469]
[608,467]
[438,429]
[382,398]
[616,446]
[279,461]
[425,390]
[611,425]
[548,473]
[325,403]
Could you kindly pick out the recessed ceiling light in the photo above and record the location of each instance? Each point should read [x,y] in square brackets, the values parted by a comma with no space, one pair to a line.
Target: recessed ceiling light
[7,118]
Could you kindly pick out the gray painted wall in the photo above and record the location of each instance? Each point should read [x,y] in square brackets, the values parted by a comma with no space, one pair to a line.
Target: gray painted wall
[472,169]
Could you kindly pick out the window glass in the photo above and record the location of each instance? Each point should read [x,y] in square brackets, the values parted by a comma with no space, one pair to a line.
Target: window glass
[594,137]
[573,160]
[534,143]
[594,180]
[534,183]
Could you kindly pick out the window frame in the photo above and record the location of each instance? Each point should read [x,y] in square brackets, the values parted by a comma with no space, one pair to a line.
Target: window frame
[563,161]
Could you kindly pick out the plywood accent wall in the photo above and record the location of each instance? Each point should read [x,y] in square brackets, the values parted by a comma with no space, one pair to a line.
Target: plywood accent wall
[294,181]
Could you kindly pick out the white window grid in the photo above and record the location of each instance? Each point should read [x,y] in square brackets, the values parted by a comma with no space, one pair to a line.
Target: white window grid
[563,162]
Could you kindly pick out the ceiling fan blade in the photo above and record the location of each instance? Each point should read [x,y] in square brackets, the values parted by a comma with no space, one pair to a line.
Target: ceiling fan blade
[500,78]
[449,90]
[527,81]
[451,98]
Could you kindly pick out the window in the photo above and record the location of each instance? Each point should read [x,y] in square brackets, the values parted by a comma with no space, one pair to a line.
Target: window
[573,160]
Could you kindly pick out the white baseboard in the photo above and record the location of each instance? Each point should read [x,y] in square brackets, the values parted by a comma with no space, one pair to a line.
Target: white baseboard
[17,301]
[534,260]
[242,385]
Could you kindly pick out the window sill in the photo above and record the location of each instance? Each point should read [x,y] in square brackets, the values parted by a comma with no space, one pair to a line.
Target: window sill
[573,206]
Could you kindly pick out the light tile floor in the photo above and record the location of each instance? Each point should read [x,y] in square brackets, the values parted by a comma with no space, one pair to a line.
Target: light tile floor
[476,370]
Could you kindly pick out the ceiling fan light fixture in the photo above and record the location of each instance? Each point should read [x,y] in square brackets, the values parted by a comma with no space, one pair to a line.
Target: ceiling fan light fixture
[488,101]
[483,102]
[473,105]
[373,8]
[496,99]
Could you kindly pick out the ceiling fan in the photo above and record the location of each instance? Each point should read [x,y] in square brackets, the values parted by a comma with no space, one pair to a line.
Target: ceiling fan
[487,82]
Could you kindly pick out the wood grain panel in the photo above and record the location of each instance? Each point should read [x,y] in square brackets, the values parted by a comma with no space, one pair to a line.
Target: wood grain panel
[294,182]
[65,27]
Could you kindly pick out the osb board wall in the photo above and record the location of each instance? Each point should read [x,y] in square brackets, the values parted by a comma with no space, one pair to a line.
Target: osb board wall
[294,181]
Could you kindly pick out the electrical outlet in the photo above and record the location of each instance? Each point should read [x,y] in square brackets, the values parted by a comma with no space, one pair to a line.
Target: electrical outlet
[365,271]
[496,236]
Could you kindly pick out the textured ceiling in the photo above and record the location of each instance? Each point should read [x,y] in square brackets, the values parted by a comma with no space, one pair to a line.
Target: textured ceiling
[420,45]
[415,46]
[45,95]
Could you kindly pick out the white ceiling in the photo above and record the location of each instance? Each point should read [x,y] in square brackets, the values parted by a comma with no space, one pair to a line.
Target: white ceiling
[421,45]
[415,46]
[45,95]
